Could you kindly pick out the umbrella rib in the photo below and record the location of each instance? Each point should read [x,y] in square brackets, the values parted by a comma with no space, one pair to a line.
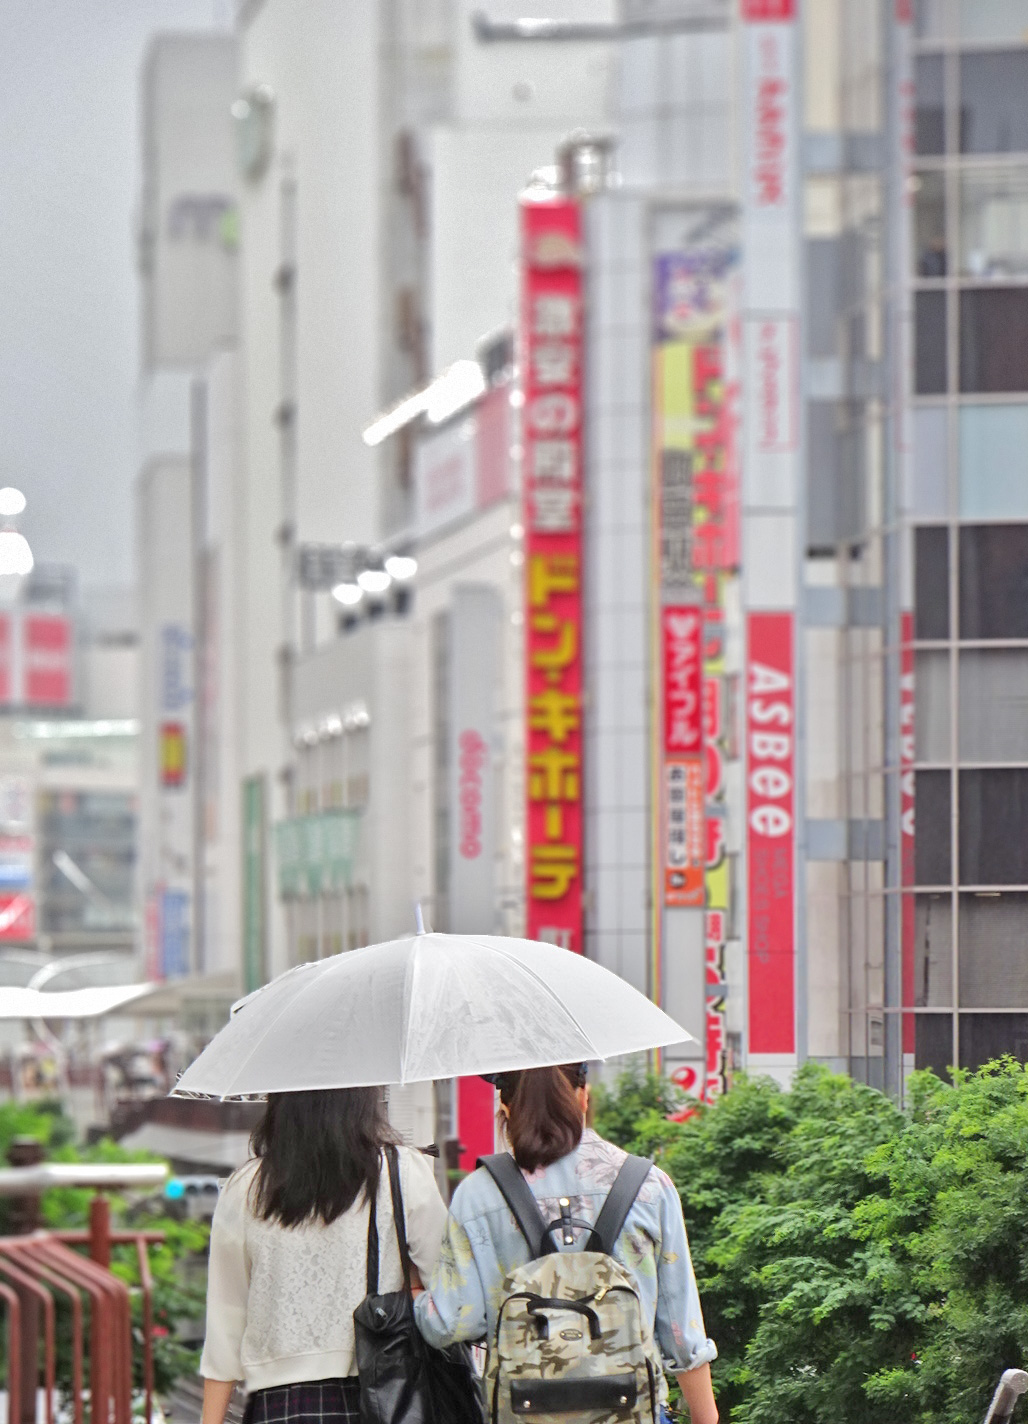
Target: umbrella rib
[268,1027]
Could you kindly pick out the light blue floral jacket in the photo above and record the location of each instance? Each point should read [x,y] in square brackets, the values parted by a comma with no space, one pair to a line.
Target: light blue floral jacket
[482,1245]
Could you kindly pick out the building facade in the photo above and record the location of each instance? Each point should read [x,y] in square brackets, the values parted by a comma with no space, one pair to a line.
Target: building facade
[968,262]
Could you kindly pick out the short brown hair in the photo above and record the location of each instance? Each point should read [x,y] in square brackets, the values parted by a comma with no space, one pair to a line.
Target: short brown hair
[545,1121]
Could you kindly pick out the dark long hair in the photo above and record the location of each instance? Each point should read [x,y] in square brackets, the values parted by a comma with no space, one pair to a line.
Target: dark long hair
[317,1152]
[545,1120]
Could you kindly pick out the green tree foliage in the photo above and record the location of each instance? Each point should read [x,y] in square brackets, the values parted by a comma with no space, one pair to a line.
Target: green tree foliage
[177,1295]
[858,1264]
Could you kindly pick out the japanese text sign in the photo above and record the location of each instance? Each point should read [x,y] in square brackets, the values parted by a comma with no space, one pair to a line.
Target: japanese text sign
[551,363]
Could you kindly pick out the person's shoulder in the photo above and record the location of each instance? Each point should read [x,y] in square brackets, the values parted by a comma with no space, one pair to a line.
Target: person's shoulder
[234,1196]
[417,1170]
[475,1195]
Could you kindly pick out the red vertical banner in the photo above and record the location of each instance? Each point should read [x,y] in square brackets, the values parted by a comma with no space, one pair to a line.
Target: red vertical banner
[683,820]
[907,754]
[551,366]
[770,832]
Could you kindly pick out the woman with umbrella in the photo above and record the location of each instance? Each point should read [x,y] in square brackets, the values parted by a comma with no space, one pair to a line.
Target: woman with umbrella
[288,1255]
[565,1164]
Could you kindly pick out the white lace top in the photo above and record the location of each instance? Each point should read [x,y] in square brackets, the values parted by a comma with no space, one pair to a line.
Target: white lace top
[280,1300]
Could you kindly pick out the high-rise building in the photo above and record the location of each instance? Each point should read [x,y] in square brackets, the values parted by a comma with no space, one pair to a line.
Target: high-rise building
[968,262]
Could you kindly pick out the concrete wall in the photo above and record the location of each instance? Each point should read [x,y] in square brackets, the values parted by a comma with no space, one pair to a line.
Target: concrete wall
[188,230]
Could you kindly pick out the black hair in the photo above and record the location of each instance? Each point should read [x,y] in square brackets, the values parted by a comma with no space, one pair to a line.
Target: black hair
[318,1152]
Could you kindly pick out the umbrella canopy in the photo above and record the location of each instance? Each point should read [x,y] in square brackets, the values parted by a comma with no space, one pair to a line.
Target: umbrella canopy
[427,1006]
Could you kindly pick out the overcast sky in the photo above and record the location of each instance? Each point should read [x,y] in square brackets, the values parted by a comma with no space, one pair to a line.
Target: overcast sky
[69,175]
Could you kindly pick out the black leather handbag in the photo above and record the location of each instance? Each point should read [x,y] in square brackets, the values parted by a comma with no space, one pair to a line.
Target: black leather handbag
[403,1379]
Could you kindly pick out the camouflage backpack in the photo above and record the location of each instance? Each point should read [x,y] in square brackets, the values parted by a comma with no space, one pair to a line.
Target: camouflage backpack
[571,1344]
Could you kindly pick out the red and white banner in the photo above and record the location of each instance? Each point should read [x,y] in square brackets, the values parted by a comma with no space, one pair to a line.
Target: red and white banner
[37,660]
[551,344]
[17,917]
[770,832]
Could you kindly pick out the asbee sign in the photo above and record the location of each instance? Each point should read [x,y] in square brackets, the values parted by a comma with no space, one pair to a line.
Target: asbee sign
[770,839]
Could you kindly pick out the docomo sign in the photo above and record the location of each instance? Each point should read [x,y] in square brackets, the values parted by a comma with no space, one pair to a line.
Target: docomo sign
[473,755]
[770,839]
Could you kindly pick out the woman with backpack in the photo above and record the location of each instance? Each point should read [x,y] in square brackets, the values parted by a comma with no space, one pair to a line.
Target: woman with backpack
[582,1337]
[288,1255]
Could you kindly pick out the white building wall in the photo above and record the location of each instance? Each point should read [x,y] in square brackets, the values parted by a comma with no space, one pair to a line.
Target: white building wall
[512,104]
[164,542]
[319,58]
[188,234]
[485,549]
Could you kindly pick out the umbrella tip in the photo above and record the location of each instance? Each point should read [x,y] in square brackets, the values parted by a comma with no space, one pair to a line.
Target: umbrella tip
[419,919]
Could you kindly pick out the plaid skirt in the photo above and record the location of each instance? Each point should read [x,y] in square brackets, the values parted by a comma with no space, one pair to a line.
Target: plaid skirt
[328,1401]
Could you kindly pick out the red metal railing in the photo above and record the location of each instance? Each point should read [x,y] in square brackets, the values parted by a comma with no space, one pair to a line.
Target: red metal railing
[35,1271]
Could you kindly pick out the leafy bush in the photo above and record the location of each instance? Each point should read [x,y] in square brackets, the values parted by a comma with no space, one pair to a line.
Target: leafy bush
[857,1264]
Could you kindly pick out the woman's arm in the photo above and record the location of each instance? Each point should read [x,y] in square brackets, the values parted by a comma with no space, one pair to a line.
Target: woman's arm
[679,1324]
[452,1307]
[216,1396]
[425,1213]
[228,1286]
[697,1391]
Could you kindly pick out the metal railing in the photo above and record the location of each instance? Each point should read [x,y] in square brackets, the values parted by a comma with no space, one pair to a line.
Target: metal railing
[1009,1390]
[40,1269]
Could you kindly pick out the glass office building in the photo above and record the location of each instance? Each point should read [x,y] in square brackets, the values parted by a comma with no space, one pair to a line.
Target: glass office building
[969,266]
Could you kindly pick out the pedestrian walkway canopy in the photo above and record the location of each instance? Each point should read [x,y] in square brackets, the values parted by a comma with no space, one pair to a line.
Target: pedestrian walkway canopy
[17,1002]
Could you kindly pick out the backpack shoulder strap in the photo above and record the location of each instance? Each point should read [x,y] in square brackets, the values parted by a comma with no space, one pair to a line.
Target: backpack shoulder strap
[518,1196]
[619,1202]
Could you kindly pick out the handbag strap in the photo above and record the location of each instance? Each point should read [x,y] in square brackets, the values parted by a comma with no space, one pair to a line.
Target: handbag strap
[372,1250]
[393,1159]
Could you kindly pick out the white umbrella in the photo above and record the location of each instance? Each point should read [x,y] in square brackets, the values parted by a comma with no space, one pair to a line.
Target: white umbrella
[427,1006]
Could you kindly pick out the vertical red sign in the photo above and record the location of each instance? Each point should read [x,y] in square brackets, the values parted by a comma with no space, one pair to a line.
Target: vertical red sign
[761,11]
[907,752]
[770,827]
[685,844]
[551,365]
[6,658]
[47,655]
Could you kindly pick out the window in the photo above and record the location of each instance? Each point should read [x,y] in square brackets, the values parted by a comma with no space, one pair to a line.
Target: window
[993,339]
[993,222]
[993,964]
[931,583]
[987,1036]
[930,343]
[930,19]
[991,20]
[933,1043]
[994,462]
[993,704]
[929,113]
[993,113]
[993,826]
[994,581]
[931,706]
[933,951]
[932,828]
[931,473]
[930,224]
